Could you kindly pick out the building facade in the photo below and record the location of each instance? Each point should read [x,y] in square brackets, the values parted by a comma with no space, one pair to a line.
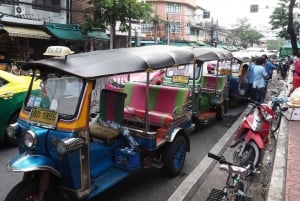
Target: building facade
[23,35]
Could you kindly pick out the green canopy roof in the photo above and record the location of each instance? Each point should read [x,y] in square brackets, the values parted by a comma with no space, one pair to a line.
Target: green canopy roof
[98,35]
[66,31]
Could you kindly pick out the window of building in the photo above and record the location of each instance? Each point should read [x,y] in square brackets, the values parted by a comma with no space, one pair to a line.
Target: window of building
[189,12]
[10,2]
[146,27]
[175,27]
[188,29]
[49,5]
[173,7]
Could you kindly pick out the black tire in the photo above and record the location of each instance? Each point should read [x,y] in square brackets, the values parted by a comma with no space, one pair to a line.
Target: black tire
[197,123]
[173,156]
[13,119]
[277,118]
[28,190]
[251,153]
[226,105]
[283,72]
[220,112]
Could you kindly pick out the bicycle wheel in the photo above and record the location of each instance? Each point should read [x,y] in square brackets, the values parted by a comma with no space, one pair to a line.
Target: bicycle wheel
[277,118]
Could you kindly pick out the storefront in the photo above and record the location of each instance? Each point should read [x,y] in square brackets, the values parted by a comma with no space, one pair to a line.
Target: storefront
[22,39]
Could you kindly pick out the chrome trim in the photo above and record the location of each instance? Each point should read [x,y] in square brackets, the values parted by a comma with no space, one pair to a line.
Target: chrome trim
[85,166]
[173,134]
[30,169]
[34,138]
[71,143]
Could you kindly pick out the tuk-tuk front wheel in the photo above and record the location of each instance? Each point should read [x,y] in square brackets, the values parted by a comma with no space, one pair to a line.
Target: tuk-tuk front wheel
[29,191]
[173,156]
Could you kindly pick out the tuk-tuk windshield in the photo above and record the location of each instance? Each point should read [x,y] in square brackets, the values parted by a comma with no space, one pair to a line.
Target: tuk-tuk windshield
[59,94]
[184,70]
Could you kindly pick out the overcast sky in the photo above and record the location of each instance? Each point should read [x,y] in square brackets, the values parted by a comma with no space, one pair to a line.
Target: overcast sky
[227,12]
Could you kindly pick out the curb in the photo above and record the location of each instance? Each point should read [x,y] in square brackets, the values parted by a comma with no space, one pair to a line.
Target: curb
[277,185]
[276,190]
[189,186]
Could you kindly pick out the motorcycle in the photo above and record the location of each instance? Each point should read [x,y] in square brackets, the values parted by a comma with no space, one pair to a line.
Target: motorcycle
[283,67]
[252,135]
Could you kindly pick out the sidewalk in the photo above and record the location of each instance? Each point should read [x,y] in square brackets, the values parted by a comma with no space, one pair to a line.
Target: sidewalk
[283,183]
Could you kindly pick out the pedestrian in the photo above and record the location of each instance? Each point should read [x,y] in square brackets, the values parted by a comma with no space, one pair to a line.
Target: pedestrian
[259,79]
[269,67]
[250,92]
[296,75]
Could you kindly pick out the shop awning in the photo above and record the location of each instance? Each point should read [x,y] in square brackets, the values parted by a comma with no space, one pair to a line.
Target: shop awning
[98,35]
[25,32]
[66,31]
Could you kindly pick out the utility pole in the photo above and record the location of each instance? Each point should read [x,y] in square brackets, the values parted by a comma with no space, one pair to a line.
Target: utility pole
[168,27]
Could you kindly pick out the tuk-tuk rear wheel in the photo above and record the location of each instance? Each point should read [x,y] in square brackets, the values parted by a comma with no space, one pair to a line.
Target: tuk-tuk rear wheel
[220,112]
[173,156]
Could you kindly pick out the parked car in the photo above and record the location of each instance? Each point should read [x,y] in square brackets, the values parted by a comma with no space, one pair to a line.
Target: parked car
[13,89]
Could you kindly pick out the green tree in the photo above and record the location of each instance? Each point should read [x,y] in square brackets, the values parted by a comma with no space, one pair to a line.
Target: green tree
[104,13]
[243,30]
[279,19]
[286,23]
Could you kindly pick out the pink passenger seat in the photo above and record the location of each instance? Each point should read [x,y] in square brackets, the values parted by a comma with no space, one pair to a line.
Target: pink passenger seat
[165,103]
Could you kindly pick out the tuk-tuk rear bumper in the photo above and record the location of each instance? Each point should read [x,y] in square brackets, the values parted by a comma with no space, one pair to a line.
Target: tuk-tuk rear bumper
[26,162]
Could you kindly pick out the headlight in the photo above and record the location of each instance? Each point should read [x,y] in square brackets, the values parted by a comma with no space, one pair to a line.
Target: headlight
[268,117]
[69,144]
[30,139]
[12,130]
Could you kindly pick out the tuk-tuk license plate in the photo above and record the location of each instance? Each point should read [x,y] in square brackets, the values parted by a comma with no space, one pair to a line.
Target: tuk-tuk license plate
[180,79]
[44,117]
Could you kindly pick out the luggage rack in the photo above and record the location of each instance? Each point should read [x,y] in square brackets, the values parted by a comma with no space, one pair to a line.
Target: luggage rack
[216,195]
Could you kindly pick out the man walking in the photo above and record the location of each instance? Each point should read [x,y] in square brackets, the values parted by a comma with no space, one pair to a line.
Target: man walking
[259,77]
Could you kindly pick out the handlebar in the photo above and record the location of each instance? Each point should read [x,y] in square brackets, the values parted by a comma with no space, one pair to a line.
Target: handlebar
[246,171]
[253,101]
[221,159]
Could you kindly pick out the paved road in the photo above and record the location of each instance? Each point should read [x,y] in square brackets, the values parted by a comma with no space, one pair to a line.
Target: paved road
[149,182]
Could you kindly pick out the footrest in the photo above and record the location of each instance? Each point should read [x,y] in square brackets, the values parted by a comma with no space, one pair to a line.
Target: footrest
[216,195]
[103,133]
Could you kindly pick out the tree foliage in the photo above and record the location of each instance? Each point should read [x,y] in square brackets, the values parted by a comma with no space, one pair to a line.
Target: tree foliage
[104,13]
[245,32]
[279,19]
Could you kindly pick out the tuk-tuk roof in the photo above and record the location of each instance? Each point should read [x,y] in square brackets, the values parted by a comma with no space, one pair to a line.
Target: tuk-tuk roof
[242,56]
[116,61]
[211,53]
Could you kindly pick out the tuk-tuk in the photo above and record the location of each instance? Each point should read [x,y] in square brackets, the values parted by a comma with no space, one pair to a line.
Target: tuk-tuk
[210,91]
[239,78]
[76,139]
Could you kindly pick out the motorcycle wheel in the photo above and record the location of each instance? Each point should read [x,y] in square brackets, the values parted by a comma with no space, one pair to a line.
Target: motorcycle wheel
[28,191]
[277,119]
[283,72]
[173,156]
[251,153]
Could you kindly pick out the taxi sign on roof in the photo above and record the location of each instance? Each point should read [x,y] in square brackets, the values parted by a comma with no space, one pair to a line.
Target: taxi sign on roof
[58,51]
